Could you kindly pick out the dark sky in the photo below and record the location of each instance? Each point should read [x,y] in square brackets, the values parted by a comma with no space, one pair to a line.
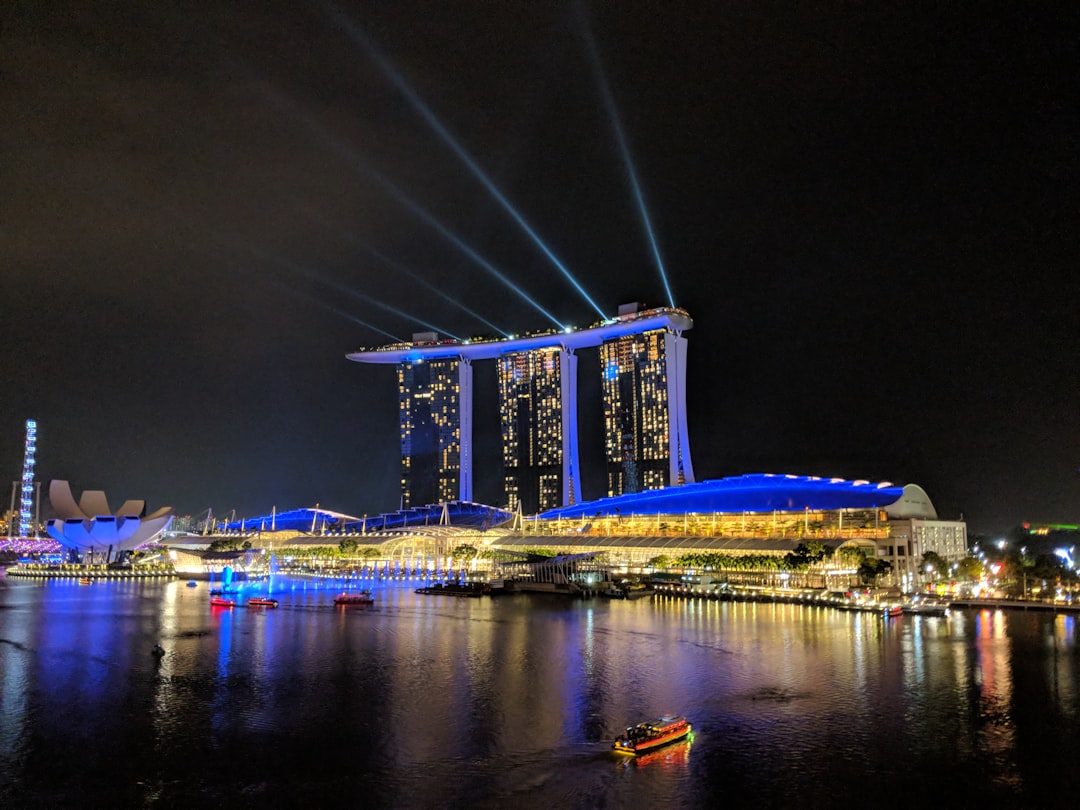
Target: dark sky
[869,209]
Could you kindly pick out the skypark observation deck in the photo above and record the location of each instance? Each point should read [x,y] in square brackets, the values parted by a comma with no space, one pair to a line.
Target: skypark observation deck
[675,320]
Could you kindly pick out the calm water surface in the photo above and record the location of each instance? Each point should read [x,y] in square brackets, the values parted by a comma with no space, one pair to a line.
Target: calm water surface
[428,701]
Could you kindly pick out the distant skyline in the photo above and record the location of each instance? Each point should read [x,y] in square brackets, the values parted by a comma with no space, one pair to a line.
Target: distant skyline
[870,213]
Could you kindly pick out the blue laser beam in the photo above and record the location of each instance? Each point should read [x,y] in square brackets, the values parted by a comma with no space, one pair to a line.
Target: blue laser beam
[398,267]
[450,300]
[418,104]
[314,275]
[346,153]
[620,136]
[313,300]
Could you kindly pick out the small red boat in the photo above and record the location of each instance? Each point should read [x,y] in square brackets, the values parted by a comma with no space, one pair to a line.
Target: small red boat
[361,598]
[85,581]
[222,601]
[894,610]
[652,734]
[262,601]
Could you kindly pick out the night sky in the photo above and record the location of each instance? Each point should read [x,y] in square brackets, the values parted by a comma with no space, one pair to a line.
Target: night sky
[870,211]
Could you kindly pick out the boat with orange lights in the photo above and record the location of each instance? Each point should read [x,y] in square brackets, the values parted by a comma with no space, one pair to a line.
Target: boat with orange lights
[262,601]
[652,734]
[222,601]
[85,581]
[358,598]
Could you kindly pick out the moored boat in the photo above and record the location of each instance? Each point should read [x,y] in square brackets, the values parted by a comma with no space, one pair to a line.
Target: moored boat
[222,601]
[359,598]
[467,589]
[652,734]
[262,601]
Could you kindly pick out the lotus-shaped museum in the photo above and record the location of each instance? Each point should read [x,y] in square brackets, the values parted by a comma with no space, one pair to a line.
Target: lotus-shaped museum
[91,524]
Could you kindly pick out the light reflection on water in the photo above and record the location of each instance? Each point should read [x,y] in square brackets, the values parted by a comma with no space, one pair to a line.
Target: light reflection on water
[440,702]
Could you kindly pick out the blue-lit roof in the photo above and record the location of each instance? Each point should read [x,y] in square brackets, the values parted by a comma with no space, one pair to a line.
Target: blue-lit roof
[460,513]
[759,492]
[295,520]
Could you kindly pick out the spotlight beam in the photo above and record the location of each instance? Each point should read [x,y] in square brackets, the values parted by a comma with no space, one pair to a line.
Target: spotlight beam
[420,280]
[313,300]
[429,116]
[302,270]
[403,199]
[620,136]
[398,267]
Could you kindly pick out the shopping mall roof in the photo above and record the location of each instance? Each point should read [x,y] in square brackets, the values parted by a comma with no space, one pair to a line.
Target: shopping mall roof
[757,492]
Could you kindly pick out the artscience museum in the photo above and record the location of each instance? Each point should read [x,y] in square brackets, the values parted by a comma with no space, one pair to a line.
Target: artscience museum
[90,524]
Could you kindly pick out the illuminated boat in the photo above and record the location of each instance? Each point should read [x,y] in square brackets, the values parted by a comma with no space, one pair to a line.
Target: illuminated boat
[262,601]
[222,601]
[85,581]
[652,734]
[894,610]
[360,598]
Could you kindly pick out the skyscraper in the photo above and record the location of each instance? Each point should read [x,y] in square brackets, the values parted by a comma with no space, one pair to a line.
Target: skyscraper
[538,416]
[644,380]
[435,416]
[643,357]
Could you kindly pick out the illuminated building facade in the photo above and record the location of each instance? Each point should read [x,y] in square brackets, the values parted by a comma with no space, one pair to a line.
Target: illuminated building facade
[538,408]
[537,405]
[645,411]
[435,417]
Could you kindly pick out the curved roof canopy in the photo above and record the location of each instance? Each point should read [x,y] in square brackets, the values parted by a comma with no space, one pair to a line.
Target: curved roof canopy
[758,492]
[90,524]
[294,520]
[453,513]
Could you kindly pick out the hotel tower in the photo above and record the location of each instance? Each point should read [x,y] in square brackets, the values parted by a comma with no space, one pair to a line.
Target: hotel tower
[643,386]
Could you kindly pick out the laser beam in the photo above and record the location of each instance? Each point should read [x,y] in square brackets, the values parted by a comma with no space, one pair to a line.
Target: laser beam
[400,268]
[314,275]
[420,280]
[418,104]
[361,166]
[613,116]
[328,307]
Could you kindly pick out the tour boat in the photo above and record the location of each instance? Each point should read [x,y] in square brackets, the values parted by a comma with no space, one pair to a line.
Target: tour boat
[894,610]
[652,734]
[361,598]
[222,601]
[262,601]
[85,581]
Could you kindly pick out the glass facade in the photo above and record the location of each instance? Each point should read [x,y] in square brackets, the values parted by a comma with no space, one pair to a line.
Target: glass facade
[638,413]
[435,419]
[537,415]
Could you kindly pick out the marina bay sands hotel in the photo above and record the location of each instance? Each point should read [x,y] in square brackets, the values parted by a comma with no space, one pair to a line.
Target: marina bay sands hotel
[643,383]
